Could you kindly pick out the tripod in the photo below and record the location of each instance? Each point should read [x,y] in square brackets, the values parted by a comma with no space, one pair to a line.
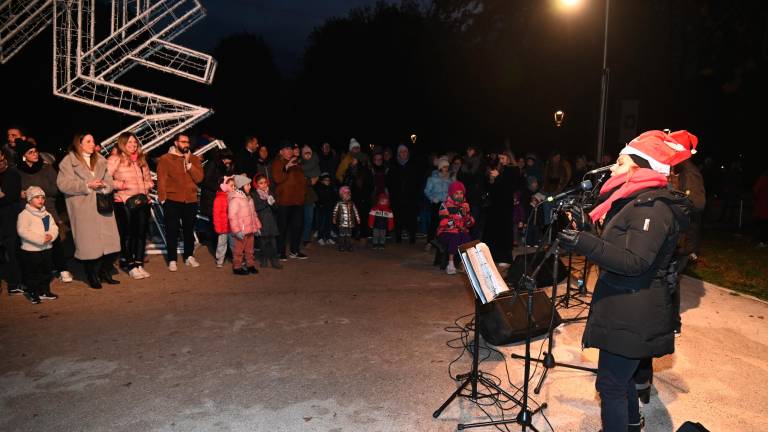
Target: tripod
[566,298]
[525,417]
[549,359]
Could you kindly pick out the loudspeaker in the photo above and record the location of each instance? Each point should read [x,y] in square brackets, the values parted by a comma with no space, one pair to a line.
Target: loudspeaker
[505,320]
[692,427]
[543,278]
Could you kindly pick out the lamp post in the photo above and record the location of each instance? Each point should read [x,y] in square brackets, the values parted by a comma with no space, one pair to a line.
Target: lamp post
[569,4]
[603,88]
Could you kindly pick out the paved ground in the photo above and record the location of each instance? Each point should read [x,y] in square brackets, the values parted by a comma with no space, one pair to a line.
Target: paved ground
[340,342]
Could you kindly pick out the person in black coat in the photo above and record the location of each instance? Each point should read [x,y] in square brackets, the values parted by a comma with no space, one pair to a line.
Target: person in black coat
[631,317]
[10,192]
[499,232]
[405,183]
[247,159]
[220,165]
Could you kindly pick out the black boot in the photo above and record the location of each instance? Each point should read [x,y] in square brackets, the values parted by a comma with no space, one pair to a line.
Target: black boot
[105,272]
[90,274]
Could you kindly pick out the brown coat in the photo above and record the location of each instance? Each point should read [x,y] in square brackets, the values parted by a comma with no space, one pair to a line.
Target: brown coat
[174,181]
[291,185]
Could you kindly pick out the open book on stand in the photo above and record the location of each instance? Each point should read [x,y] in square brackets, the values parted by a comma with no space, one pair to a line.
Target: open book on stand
[481,271]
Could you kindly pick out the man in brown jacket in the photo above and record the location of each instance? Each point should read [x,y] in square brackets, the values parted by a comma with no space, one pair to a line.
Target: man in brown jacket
[290,187]
[178,173]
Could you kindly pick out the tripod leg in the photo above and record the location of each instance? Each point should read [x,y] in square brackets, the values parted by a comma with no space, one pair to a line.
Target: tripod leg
[450,399]
[544,373]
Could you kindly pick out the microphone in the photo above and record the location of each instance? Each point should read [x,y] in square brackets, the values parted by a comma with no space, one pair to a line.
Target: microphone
[599,170]
[583,186]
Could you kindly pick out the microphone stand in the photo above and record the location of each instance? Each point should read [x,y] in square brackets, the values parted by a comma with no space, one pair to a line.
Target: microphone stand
[549,359]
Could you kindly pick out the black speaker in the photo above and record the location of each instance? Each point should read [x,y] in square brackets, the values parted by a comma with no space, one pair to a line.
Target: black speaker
[505,320]
[692,427]
[543,278]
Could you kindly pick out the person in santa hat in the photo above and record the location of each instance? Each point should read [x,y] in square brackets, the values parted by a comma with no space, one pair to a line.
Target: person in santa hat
[631,317]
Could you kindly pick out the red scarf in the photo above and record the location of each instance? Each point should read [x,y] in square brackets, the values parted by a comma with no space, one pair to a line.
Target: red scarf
[642,178]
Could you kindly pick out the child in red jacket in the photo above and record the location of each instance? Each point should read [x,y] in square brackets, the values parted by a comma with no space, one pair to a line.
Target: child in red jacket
[221,220]
[381,220]
[455,222]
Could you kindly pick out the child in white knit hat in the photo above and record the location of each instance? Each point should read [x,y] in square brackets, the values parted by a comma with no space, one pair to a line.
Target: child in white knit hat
[37,231]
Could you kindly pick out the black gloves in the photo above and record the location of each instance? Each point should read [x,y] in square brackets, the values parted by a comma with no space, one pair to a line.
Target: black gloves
[568,238]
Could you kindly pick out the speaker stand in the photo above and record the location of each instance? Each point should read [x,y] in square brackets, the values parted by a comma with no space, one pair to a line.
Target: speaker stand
[549,359]
[525,417]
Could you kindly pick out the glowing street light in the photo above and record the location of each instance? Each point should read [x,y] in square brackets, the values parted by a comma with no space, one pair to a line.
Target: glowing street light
[413,138]
[559,117]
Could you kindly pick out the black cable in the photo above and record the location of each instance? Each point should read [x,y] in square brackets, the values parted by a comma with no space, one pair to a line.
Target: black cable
[494,398]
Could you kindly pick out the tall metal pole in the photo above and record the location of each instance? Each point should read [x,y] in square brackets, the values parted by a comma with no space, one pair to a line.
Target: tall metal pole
[603,89]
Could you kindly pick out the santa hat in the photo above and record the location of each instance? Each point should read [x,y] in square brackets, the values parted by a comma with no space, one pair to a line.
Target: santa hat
[687,140]
[661,150]
[353,143]
[455,187]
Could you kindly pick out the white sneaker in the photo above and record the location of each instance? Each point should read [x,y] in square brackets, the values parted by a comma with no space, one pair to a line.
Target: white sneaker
[451,269]
[192,262]
[321,242]
[330,241]
[65,276]
[220,264]
[143,271]
[172,266]
[136,273]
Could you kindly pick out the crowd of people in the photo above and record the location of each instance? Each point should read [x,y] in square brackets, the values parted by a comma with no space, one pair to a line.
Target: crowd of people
[261,203]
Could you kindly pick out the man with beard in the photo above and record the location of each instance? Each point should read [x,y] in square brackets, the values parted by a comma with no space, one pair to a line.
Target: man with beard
[178,173]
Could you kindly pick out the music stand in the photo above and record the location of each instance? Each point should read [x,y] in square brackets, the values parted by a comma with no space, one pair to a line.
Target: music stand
[486,283]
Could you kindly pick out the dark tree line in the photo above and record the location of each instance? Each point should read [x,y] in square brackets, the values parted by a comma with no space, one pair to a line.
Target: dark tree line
[459,72]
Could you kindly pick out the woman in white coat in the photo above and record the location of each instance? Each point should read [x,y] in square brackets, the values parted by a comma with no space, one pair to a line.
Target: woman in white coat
[82,175]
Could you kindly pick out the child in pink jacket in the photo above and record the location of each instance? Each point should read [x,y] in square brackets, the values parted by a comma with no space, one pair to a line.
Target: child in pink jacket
[244,224]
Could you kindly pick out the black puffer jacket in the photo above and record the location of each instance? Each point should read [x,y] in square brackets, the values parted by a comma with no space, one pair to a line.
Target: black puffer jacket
[631,312]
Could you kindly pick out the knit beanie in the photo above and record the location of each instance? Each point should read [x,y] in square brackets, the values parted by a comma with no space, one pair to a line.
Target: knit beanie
[456,186]
[241,180]
[443,162]
[353,143]
[34,191]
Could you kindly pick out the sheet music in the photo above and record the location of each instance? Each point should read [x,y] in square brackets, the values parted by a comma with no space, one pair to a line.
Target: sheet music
[482,272]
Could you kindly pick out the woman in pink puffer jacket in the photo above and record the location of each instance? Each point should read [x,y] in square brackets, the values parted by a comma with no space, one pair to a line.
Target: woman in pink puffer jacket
[244,224]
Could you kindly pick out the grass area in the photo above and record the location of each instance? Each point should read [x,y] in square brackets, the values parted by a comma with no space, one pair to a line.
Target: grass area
[732,261]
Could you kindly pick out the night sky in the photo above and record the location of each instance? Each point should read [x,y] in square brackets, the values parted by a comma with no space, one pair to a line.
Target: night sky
[284,24]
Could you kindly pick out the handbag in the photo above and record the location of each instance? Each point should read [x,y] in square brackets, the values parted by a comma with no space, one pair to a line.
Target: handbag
[138,201]
[104,203]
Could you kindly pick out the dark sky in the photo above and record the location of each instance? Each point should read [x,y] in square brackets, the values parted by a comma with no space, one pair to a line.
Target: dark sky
[285,24]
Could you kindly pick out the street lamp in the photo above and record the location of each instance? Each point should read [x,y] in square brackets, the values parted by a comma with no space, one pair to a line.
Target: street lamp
[413,138]
[570,4]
